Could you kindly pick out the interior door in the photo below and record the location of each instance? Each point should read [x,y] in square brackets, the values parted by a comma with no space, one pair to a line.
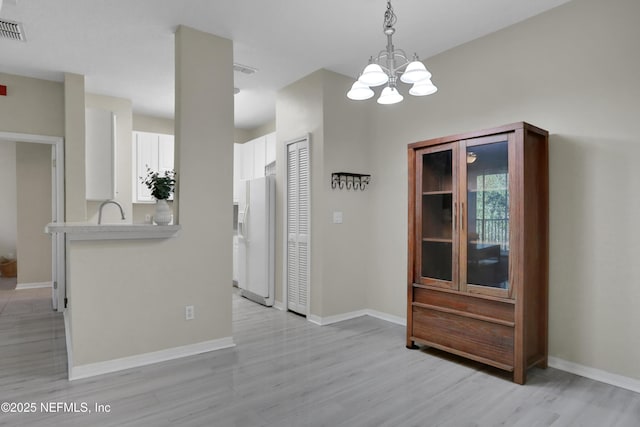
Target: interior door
[298,227]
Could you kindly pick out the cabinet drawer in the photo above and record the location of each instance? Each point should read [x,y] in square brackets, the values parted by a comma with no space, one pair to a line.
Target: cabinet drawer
[491,309]
[486,340]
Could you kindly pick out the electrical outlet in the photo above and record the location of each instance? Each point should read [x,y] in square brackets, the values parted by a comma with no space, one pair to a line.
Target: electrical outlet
[189,312]
[147,219]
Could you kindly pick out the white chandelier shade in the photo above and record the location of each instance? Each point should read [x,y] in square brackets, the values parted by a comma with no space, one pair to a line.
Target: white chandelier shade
[360,92]
[390,66]
[422,88]
[415,72]
[390,95]
[372,75]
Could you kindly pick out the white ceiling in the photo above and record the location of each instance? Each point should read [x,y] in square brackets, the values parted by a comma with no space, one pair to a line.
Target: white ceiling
[125,48]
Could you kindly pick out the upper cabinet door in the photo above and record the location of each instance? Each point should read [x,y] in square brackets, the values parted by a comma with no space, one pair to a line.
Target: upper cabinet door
[259,156]
[436,207]
[146,158]
[165,153]
[155,152]
[487,184]
[271,148]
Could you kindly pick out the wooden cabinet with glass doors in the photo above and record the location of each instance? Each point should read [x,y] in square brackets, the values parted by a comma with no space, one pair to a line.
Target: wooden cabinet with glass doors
[478,246]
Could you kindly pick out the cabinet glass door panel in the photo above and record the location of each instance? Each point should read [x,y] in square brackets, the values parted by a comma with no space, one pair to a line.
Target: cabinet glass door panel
[437,172]
[437,260]
[487,215]
[437,216]
[436,212]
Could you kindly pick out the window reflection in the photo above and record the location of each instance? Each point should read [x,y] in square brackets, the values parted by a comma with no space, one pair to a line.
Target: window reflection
[488,215]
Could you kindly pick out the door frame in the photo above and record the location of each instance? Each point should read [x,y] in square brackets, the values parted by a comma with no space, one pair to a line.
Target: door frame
[285,234]
[58,274]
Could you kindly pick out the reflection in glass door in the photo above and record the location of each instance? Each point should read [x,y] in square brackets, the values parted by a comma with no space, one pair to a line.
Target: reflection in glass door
[487,213]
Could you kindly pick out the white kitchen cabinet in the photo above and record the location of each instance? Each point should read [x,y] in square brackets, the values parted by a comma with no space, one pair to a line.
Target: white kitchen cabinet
[154,151]
[270,154]
[247,168]
[100,180]
[165,153]
[255,155]
[259,156]
[251,158]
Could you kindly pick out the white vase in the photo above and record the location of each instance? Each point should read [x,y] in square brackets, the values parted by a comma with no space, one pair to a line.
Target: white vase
[162,215]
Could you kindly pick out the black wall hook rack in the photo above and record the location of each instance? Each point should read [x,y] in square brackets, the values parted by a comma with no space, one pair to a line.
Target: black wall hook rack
[348,180]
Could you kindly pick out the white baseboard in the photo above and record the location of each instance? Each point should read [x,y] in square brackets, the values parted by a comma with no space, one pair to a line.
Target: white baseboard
[21,286]
[278,305]
[595,374]
[315,319]
[108,366]
[324,321]
[67,336]
[388,317]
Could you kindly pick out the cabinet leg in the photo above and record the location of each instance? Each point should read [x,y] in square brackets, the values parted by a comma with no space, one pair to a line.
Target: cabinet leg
[412,345]
[544,363]
[519,375]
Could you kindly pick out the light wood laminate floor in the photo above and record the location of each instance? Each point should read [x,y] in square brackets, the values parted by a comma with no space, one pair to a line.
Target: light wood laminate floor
[286,371]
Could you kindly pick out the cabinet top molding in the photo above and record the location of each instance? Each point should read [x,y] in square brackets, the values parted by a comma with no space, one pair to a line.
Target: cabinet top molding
[486,132]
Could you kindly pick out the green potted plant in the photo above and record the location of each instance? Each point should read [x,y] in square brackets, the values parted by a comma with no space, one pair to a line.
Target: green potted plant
[161,186]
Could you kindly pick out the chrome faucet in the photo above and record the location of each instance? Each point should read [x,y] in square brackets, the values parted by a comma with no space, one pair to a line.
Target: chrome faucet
[106,202]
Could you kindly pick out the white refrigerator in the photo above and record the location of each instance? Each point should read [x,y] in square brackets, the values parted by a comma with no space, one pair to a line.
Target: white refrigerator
[256,239]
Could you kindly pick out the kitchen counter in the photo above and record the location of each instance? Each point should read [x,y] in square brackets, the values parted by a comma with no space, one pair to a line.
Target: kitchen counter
[88,231]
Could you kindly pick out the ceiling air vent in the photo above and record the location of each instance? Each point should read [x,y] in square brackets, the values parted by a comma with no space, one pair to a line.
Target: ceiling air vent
[11,30]
[245,69]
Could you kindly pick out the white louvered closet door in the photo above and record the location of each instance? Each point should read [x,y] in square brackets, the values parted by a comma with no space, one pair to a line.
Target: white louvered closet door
[298,225]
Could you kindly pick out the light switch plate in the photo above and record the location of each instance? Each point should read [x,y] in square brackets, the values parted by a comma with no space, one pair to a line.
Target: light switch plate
[337,217]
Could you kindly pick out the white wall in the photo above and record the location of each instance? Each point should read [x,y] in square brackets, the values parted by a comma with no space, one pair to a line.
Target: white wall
[299,112]
[8,207]
[129,297]
[74,153]
[143,123]
[33,178]
[346,246]
[339,143]
[573,71]
[243,135]
[32,106]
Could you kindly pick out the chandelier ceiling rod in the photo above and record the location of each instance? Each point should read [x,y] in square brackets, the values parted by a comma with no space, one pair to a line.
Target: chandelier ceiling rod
[387,66]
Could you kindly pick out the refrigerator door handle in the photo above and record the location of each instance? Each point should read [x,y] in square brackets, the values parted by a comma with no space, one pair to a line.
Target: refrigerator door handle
[245,226]
[243,215]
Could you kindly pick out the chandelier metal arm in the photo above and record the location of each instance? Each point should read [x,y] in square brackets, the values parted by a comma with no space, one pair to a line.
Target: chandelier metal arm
[389,66]
[398,66]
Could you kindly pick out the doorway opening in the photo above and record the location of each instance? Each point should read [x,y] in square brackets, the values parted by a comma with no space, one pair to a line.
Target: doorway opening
[56,145]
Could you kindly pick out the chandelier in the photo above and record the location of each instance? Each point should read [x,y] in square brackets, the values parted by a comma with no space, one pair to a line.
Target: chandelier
[390,66]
